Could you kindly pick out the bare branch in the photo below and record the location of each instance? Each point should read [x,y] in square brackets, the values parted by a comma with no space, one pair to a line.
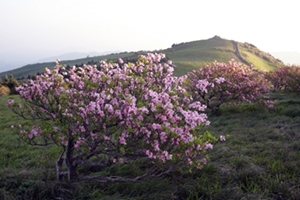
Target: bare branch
[149,174]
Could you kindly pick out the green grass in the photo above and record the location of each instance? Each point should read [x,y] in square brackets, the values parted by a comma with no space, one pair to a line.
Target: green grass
[259,160]
[16,156]
[186,56]
[192,55]
[256,61]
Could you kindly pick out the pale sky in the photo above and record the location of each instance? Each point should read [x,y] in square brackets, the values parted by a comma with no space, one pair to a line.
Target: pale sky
[31,30]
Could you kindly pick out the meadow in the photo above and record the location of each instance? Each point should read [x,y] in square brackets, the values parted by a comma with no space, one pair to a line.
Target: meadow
[259,160]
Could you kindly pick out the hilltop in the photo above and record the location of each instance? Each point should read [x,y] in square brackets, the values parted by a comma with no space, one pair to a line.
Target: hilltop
[187,56]
[192,55]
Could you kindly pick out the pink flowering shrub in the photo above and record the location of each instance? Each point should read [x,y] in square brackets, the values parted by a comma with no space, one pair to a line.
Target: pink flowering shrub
[120,113]
[285,78]
[232,82]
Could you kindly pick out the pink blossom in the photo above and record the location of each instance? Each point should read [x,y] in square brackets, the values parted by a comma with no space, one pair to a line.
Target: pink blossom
[55,128]
[208,146]
[140,104]
[106,138]
[156,145]
[149,153]
[10,102]
[122,140]
[204,161]
[82,129]
[163,136]
[32,133]
[120,61]
[53,115]
[156,126]
[202,85]
[198,148]
[222,138]
[219,80]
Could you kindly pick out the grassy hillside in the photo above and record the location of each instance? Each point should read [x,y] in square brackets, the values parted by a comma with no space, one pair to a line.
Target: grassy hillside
[259,160]
[193,55]
[259,59]
[186,56]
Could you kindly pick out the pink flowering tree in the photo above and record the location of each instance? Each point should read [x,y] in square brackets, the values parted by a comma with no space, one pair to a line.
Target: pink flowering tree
[285,78]
[232,82]
[116,114]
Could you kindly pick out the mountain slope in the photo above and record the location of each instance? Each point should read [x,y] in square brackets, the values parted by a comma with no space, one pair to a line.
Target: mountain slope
[186,56]
[70,56]
[192,55]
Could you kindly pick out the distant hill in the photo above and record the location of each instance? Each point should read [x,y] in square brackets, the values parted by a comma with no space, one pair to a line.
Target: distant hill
[5,66]
[74,56]
[186,56]
[33,69]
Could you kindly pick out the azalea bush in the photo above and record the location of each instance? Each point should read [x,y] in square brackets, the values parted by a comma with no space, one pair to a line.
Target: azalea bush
[218,83]
[285,78]
[117,113]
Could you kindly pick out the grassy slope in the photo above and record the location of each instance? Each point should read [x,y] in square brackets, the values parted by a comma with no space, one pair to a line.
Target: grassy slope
[257,61]
[193,55]
[259,160]
[186,56]
[16,156]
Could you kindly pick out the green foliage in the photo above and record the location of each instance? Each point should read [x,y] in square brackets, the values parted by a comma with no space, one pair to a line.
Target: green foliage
[260,160]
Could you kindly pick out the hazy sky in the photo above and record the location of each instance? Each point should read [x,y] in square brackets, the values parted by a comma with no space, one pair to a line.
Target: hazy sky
[31,30]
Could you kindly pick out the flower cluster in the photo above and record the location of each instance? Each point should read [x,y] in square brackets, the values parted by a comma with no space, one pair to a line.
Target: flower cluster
[285,78]
[226,82]
[120,110]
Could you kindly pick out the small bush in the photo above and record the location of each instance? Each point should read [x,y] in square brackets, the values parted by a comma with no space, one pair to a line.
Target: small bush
[230,82]
[286,78]
[4,90]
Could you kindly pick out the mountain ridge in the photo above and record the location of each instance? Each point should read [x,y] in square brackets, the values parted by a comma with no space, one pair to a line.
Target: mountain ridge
[187,56]
[74,56]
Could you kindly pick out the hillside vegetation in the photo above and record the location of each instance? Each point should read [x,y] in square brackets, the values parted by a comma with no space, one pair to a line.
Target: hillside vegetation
[186,56]
[258,157]
[259,160]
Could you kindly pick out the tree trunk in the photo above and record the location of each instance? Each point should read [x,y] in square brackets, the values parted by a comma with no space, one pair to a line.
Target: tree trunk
[59,173]
[72,173]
